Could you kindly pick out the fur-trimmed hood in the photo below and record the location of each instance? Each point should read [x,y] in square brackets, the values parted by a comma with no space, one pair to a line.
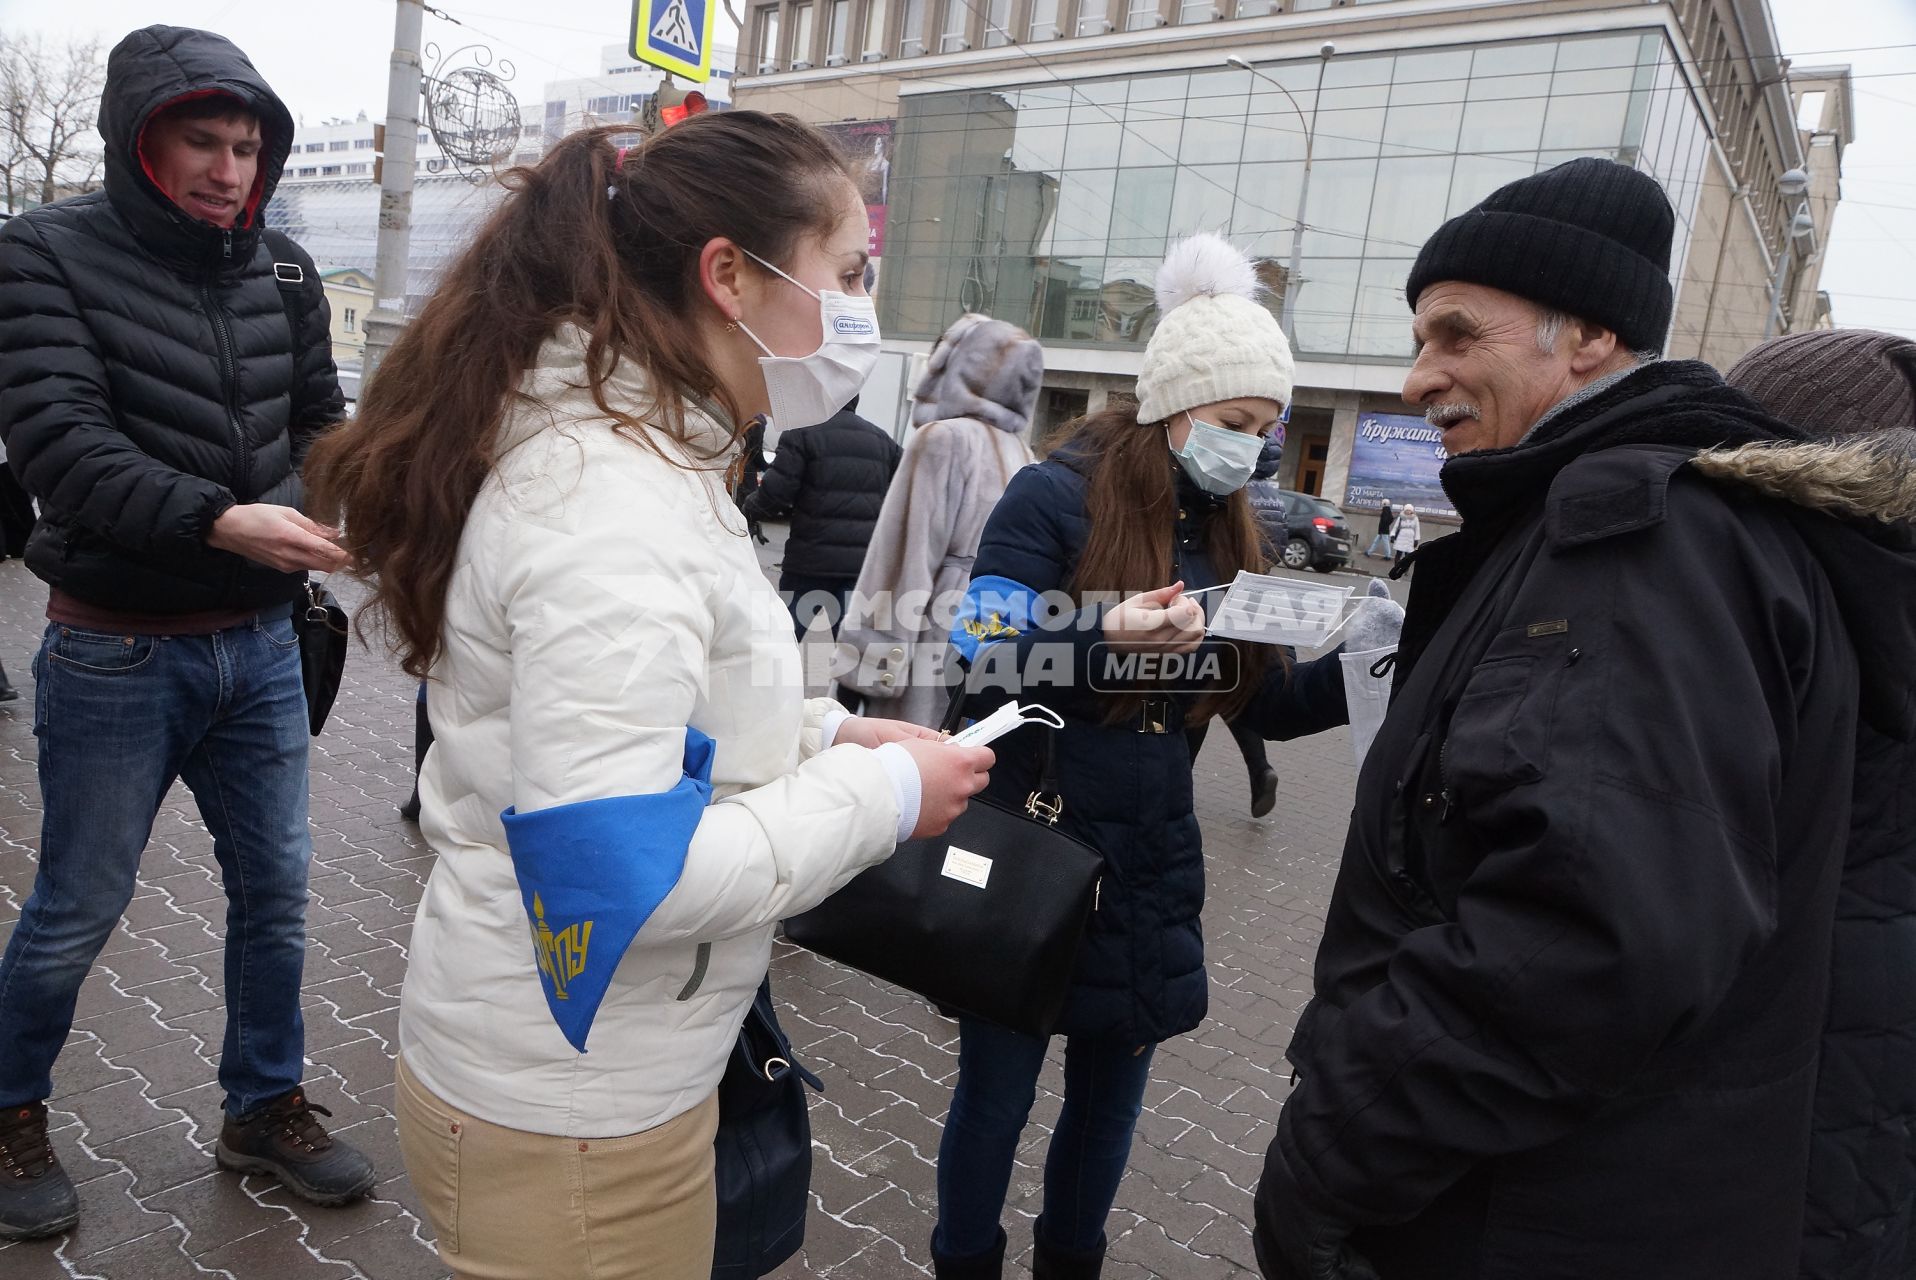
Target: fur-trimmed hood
[1872,476]
[1865,487]
[982,368]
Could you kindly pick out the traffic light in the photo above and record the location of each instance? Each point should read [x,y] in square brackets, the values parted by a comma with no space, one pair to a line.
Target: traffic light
[677,104]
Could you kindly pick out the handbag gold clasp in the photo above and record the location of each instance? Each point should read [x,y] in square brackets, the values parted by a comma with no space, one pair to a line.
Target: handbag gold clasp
[1046,812]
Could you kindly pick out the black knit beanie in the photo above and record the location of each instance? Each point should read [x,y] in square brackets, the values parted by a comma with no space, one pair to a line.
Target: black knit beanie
[1833,382]
[1590,238]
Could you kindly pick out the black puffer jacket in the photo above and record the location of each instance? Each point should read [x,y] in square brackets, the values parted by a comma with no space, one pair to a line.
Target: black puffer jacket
[1571,994]
[148,378]
[831,480]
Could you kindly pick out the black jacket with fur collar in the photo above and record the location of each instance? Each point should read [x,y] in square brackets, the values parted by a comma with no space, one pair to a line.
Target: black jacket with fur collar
[1571,996]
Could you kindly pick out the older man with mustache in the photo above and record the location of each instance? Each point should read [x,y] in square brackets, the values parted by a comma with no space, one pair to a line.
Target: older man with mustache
[1573,975]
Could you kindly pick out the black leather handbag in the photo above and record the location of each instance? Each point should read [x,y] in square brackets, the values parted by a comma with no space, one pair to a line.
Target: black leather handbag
[984,920]
[320,624]
[763,1151]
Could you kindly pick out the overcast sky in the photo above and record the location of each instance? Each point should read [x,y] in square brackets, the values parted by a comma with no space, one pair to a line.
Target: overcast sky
[329,59]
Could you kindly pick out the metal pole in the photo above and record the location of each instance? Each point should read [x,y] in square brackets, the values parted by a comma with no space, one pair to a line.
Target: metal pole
[398,163]
[1291,279]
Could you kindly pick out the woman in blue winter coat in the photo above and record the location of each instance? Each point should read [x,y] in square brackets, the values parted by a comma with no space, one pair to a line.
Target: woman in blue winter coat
[1086,560]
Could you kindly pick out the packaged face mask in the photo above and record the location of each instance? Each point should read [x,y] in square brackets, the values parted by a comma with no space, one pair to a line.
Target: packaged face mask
[807,390]
[1004,720]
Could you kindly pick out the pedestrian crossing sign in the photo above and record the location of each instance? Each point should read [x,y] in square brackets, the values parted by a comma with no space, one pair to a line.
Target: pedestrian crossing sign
[675,36]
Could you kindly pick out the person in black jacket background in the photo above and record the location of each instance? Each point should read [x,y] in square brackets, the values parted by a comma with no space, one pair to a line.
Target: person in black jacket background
[157,401]
[830,481]
[1855,391]
[1570,996]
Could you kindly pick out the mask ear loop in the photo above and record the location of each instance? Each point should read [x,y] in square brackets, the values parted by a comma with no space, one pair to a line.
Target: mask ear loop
[1044,715]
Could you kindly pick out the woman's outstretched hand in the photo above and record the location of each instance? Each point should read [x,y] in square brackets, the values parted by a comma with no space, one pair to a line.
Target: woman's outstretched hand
[1161,621]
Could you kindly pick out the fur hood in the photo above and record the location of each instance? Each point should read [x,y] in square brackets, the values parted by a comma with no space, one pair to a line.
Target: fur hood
[1872,476]
[1866,485]
[985,369]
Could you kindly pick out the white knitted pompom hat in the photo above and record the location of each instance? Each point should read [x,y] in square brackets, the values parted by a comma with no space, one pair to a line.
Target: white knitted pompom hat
[1214,340]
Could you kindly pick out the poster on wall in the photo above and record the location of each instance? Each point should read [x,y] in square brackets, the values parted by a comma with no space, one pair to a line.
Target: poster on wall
[1397,456]
[867,145]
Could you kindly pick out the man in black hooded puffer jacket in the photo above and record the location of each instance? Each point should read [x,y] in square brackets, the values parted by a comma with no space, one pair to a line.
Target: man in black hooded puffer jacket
[157,401]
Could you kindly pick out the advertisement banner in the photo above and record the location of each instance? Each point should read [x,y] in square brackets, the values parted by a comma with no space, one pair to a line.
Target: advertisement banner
[1397,456]
[867,146]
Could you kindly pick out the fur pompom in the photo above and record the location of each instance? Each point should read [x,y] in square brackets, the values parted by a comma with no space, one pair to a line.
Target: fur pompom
[1204,265]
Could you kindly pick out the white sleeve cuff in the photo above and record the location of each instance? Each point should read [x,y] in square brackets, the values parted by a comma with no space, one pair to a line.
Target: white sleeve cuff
[828,727]
[905,784]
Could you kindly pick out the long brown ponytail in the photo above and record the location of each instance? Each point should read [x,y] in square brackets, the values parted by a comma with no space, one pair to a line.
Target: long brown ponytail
[593,235]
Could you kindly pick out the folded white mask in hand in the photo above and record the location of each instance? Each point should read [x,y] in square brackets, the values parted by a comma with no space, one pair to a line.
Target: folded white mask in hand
[1003,721]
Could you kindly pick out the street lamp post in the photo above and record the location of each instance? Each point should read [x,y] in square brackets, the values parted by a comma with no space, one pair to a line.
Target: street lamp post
[397,167]
[1794,185]
[1289,318]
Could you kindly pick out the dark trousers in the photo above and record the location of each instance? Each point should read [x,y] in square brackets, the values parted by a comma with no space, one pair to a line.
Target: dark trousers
[16,514]
[808,597]
[1256,752]
[997,1083]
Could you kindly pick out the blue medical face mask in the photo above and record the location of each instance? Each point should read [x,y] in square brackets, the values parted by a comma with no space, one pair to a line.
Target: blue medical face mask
[1217,459]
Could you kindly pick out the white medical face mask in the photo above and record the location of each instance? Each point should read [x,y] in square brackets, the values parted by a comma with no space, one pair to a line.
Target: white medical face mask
[1217,459]
[807,390]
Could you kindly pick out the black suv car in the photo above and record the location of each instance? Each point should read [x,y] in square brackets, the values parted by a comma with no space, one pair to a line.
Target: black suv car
[1304,532]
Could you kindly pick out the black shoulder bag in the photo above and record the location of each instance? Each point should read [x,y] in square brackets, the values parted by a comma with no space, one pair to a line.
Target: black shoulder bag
[999,883]
[318,619]
[763,1151]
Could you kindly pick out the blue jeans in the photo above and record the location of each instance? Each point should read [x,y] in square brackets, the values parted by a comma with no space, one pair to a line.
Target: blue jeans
[119,718]
[1381,540]
[997,1083]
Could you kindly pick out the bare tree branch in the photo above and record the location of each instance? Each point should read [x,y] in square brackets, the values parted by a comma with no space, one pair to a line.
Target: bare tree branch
[49,99]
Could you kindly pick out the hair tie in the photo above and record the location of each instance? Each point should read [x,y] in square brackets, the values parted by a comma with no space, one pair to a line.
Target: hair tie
[619,163]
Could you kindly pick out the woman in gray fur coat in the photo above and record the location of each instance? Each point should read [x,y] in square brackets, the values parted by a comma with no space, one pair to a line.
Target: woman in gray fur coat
[972,410]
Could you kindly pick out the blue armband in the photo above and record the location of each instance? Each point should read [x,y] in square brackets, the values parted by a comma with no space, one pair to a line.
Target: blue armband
[592,873]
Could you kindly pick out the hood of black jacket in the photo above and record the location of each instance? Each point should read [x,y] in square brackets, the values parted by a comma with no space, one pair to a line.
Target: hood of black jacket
[146,71]
[1861,493]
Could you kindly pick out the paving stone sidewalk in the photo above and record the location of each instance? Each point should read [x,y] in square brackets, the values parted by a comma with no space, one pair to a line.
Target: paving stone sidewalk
[136,1107]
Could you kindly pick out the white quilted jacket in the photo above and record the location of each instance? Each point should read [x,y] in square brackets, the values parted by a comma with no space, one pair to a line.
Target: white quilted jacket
[603,601]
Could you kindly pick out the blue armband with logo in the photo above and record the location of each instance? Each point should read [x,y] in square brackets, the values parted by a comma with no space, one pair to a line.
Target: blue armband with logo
[592,873]
[993,609]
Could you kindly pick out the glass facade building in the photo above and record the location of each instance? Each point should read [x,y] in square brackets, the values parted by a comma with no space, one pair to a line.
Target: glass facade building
[1050,204]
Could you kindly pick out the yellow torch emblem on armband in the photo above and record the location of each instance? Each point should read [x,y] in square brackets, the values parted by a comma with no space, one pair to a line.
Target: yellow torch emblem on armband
[561,954]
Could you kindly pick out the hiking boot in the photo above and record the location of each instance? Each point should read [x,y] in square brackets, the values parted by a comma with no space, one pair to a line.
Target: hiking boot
[36,1196]
[282,1140]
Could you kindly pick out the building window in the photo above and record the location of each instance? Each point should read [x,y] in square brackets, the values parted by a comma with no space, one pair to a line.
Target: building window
[529,131]
[1044,20]
[1094,17]
[352,318]
[838,33]
[911,33]
[308,171]
[361,167]
[1191,12]
[363,144]
[767,38]
[875,14]
[1142,15]
[801,35]
[997,23]
[329,171]
[341,145]
[315,146]
[951,37]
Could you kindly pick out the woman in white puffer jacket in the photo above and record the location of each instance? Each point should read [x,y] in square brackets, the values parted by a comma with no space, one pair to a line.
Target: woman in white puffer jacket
[627,789]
